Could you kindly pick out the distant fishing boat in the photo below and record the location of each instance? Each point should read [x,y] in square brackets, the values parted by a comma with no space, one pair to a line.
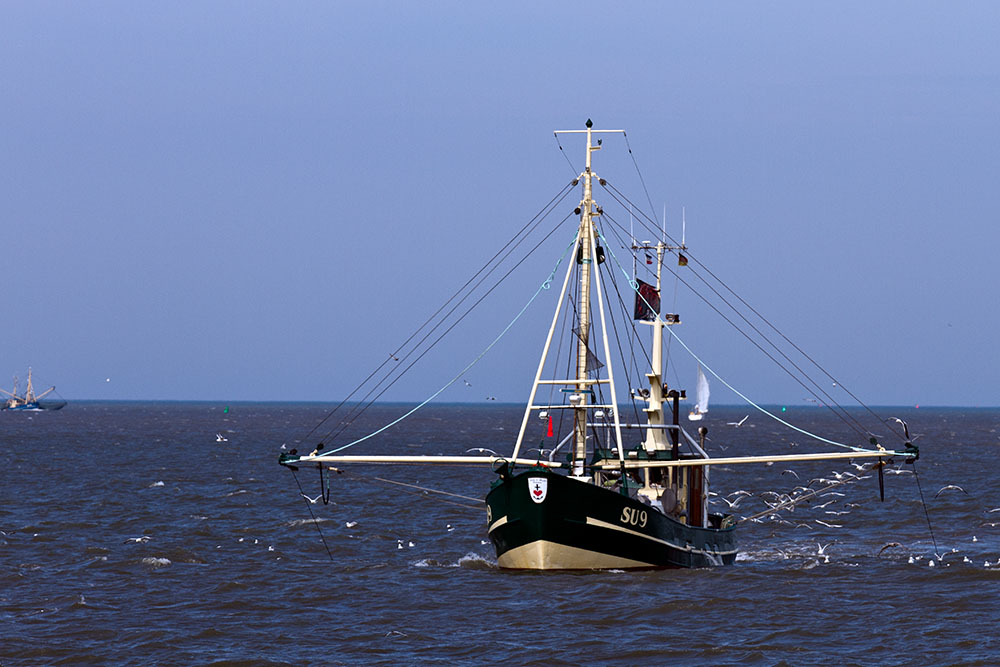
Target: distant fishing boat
[609,501]
[700,408]
[29,400]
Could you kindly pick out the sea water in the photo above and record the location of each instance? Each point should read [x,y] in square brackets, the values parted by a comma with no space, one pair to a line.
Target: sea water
[133,534]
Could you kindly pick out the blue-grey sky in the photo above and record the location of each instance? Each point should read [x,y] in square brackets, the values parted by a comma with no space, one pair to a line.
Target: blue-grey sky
[256,201]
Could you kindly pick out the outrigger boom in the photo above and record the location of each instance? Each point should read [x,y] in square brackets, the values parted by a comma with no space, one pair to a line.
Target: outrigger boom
[606,464]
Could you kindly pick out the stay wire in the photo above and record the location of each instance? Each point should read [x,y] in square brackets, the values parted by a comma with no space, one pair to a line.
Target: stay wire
[315,521]
[924,505]
[690,256]
[543,286]
[746,398]
[633,334]
[639,172]
[622,312]
[365,403]
[830,403]
[568,161]
[541,214]
[754,343]
[513,243]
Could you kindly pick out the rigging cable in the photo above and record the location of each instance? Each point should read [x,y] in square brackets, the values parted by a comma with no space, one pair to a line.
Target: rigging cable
[568,161]
[315,521]
[359,410]
[843,415]
[732,388]
[924,505]
[544,286]
[641,179]
[362,406]
[538,216]
[617,193]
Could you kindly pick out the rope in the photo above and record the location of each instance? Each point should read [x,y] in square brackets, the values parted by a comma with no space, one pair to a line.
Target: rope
[515,240]
[314,520]
[544,286]
[924,505]
[429,490]
[616,194]
[568,161]
[358,412]
[641,179]
[746,398]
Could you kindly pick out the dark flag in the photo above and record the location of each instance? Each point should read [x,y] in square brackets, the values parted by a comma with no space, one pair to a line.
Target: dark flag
[681,260]
[647,294]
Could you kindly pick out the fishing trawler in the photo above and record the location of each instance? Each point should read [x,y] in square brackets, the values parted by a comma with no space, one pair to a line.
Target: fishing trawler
[631,491]
[29,400]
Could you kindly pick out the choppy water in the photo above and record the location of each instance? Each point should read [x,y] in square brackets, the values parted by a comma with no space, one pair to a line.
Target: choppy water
[130,536]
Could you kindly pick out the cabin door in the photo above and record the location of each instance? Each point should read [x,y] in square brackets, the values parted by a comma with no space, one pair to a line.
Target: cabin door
[696,497]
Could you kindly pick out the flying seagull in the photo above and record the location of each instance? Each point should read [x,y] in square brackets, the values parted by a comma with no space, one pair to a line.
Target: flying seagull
[906,431]
[481,450]
[888,546]
[737,424]
[950,487]
[312,501]
[219,438]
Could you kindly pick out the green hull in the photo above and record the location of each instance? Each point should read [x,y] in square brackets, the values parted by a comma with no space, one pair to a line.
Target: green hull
[577,525]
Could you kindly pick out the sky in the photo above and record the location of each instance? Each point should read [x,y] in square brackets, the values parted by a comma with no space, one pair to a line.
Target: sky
[257,200]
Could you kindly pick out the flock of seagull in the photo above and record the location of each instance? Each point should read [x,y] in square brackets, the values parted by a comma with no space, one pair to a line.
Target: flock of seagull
[824,497]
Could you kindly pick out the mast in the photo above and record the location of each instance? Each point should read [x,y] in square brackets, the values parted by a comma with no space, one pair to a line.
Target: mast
[587,253]
[582,346]
[29,393]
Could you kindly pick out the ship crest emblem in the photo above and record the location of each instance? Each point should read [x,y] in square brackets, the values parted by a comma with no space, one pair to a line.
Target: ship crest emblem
[538,487]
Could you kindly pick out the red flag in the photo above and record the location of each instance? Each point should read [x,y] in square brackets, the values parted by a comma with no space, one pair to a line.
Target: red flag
[550,426]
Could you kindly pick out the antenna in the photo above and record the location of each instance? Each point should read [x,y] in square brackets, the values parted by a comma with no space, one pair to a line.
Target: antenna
[663,223]
[683,225]
[631,220]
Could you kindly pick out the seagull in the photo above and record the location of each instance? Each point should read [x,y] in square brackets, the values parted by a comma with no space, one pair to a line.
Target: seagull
[906,431]
[732,503]
[219,438]
[889,546]
[541,451]
[792,472]
[351,524]
[828,525]
[950,486]
[821,548]
[481,450]
[467,383]
[144,538]
[737,424]
[312,501]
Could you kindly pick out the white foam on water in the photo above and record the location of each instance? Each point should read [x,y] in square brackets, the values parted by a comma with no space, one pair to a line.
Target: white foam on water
[156,562]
